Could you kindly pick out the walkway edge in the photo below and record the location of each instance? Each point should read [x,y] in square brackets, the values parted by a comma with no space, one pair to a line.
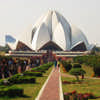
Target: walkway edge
[60,85]
[41,90]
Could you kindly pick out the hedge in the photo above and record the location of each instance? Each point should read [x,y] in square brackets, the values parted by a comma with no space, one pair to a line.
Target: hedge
[28,73]
[11,91]
[26,77]
[17,79]
[42,68]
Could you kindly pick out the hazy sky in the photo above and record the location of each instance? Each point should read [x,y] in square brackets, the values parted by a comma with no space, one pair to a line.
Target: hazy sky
[17,15]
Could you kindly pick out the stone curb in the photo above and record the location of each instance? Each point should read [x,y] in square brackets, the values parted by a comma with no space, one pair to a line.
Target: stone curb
[60,86]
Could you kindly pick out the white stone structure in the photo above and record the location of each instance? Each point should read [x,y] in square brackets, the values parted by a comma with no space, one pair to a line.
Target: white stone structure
[52,31]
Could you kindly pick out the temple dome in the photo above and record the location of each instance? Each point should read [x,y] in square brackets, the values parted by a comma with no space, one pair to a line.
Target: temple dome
[52,31]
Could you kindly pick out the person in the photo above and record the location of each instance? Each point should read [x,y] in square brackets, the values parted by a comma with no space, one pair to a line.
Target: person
[27,68]
[55,63]
[19,69]
[58,64]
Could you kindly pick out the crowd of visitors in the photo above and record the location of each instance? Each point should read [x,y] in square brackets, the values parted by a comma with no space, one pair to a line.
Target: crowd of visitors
[11,66]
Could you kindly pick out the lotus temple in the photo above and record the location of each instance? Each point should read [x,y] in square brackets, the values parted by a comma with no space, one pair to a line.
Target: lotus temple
[51,32]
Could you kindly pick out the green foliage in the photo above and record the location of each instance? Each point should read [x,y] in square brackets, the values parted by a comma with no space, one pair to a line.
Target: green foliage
[77,71]
[30,90]
[11,91]
[66,65]
[77,65]
[1,82]
[27,77]
[16,79]
[4,48]
[5,57]
[42,68]
[97,69]
[91,60]
[28,73]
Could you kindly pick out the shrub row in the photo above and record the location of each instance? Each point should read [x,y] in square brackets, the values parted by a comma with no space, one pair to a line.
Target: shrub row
[20,78]
[26,77]
[11,91]
[42,68]
[28,73]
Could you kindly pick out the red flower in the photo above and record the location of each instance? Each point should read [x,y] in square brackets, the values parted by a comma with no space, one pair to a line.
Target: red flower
[66,82]
[80,96]
[74,92]
[86,95]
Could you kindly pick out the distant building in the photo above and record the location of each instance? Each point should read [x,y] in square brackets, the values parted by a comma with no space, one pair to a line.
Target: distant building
[51,32]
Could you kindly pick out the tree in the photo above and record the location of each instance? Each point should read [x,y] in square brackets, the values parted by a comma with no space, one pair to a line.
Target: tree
[96,69]
[77,65]
[67,65]
[77,72]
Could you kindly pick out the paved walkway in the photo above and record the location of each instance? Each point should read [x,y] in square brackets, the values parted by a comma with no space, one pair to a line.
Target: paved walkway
[51,90]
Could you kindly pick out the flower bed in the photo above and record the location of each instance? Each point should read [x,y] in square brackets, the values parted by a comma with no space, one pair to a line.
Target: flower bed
[78,96]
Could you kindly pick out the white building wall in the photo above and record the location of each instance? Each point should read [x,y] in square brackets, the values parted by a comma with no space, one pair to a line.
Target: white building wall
[41,37]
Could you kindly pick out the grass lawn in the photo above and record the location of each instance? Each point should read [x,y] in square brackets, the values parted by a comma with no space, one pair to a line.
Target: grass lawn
[88,69]
[89,85]
[31,90]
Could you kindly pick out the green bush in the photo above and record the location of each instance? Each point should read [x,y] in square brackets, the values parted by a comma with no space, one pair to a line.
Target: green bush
[14,91]
[4,82]
[42,68]
[90,60]
[26,79]
[16,79]
[97,69]
[66,65]
[77,72]
[1,82]
[27,73]
[11,91]
[77,65]
[38,69]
